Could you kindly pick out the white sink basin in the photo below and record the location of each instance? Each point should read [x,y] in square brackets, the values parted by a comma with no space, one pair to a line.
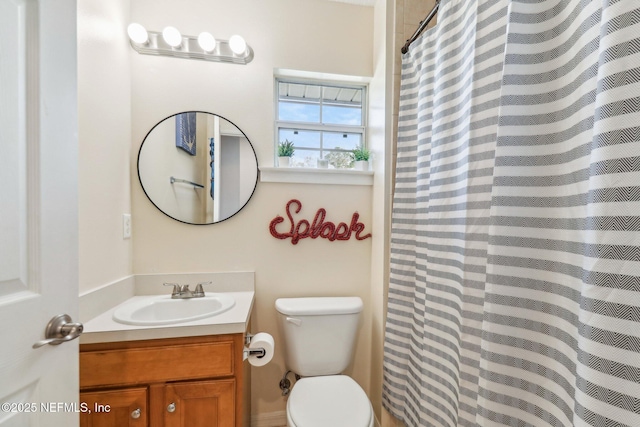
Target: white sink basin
[162,310]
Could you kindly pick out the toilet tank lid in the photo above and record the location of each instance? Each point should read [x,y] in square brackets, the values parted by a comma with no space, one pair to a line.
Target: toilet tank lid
[318,306]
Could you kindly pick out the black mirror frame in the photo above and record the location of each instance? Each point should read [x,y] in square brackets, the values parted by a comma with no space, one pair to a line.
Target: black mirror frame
[179,220]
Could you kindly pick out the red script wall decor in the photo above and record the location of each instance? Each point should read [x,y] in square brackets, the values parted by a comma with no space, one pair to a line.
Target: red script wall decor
[318,227]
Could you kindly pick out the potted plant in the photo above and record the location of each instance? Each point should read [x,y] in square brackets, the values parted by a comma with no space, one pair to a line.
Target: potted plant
[361,158]
[285,151]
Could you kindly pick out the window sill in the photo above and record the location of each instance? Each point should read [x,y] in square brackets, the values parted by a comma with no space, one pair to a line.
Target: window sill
[298,175]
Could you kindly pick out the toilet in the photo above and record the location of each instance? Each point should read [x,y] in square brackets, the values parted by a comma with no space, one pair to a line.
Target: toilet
[319,338]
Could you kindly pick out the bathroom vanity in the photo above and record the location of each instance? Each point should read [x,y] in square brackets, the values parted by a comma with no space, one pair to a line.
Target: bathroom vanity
[177,374]
[173,382]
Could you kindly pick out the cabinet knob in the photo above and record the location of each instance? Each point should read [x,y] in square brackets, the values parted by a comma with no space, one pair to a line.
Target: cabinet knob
[136,414]
[171,407]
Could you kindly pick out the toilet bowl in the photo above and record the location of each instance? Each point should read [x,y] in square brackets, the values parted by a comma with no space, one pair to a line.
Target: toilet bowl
[333,400]
[319,338]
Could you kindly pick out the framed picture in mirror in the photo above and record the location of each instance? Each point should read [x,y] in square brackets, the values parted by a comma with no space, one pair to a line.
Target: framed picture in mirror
[186,132]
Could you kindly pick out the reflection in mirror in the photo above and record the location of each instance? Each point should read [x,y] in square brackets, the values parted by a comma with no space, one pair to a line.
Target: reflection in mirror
[197,167]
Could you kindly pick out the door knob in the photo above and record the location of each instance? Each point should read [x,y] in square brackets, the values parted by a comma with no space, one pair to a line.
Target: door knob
[59,330]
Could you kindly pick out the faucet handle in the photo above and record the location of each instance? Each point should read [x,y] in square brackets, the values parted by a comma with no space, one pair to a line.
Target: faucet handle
[199,291]
[176,290]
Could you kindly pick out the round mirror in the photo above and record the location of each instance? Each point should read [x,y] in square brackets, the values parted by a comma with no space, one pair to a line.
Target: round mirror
[197,167]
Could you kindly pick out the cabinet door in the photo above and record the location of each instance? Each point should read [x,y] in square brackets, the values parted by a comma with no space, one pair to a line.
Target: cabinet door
[200,404]
[115,408]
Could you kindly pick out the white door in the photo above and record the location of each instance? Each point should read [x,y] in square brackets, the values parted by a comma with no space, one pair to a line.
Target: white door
[38,211]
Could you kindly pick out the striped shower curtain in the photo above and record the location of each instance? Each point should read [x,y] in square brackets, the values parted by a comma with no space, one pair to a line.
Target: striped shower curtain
[514,296]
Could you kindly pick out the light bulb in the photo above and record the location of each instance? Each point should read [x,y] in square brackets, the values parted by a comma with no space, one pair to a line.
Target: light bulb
[137,33]
[207,42]
[237,45]
[172,36]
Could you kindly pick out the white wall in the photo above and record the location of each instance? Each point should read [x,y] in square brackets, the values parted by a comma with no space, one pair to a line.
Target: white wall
[310,35]
[380,129]
[104,135]
[123,94]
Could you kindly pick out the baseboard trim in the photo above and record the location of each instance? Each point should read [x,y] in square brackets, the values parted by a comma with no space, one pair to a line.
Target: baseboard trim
[269,419]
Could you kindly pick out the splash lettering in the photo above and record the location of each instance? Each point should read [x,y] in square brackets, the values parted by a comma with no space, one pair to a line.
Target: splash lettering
[318,227]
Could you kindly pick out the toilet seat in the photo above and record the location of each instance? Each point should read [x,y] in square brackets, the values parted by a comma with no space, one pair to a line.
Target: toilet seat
[332,400]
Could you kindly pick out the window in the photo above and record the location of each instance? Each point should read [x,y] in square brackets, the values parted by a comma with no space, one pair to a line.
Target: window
[323,120]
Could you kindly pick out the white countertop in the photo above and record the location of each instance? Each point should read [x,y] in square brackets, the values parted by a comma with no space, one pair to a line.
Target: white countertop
[103,328]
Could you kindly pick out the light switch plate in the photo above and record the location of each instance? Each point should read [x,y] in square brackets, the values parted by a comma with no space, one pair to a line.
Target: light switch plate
[126,226]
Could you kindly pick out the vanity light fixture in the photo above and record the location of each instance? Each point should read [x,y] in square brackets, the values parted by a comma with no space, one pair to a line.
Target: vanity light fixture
[172,37]
[170,42]
[237,45]
[207,42]
[137,33]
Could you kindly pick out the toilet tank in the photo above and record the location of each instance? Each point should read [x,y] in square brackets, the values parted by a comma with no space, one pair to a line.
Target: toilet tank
[319,333]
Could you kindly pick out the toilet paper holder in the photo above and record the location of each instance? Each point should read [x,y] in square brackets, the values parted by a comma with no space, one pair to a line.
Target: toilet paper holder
[260,352]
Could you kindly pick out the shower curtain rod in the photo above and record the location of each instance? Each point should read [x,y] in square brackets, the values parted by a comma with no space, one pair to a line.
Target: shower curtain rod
[422,26]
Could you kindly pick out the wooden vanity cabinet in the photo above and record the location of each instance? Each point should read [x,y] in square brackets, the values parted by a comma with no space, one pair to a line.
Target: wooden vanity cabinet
[126,408]
[174,382]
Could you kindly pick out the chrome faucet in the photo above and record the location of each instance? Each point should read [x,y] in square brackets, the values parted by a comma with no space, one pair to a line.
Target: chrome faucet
[183,291]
